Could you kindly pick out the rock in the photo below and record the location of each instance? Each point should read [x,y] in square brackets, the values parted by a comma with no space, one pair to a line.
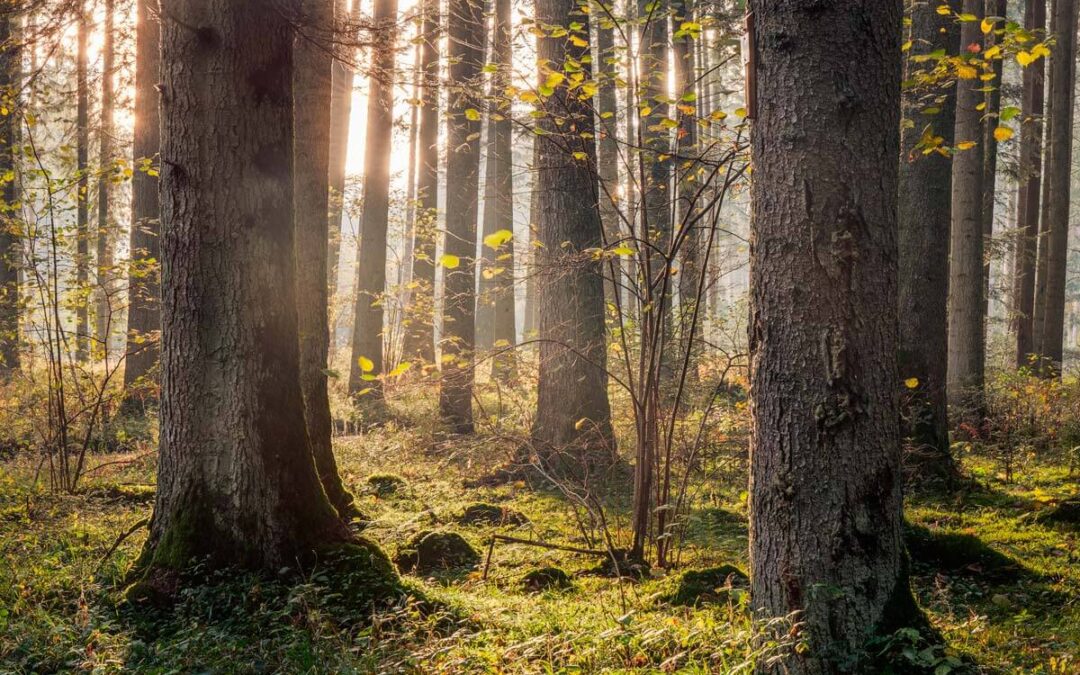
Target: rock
[385,484]
[436,552]
[1064,513]
[620,564]
[709,585]
[546,578]
[490,514]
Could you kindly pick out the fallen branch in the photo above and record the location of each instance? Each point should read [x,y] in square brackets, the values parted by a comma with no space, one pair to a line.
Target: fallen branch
[540,544]
[120,540]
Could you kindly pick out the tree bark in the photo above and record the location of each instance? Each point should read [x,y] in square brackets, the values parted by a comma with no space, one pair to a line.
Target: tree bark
[1058,177]
[311,192]
[925,208]
[1027,203]
[688,182]
[995,9]
[572,409]
[967,330]
[82,187]
[607,145]
[103,313]
[367,338]
[420,330]
[237,481]
[825,502]
[466,54]
[144,279]
[10,224]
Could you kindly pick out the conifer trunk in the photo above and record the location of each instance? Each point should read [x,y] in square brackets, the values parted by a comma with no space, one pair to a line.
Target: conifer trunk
[10,258]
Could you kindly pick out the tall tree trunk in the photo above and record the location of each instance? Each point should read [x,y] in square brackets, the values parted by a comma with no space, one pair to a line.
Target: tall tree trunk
[688,182]
[465,26]
[366,366]
[82,186]
[824,446]
[236,478]
[925,208]
[497,275]
[530,325]
[1027,203]
[1058,175]
[311,191]
[144,279]
[572,408]
[10,224]
[103,286]
[420,333]
[995,10]
[1043,249]
[606,74]
[967,331]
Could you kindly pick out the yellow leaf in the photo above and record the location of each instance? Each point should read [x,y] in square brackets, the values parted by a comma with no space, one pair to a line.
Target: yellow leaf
[965,145]
[1025,59]
[401,368]
[498,238]
[580,424]
[993,52]
[1002,134]
[580,156]
[623,251]
[965,72]
[987,25]
[365,364]
[906,46]
[578,42]
[528,97]
[472,114]
[740,112]
[911,382]
[944,10]
[450,261]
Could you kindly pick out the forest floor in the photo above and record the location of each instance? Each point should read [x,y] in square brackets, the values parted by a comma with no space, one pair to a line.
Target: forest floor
[1003,589]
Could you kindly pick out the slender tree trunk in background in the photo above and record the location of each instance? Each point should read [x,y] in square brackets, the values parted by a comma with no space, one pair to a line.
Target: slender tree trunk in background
[311,79]
[529,329]
[409,224]
[367,338]
[631,188]
[994,9]
[925,208]
[1058,178]
[605,70]
[144,279]
[688,182]
[572,408]
[82,187]
[825,448]
[103,287]
[1027,203]
[420,333]
[340,113]
[1042,247]
[232,421]
[465,25]
[10,224]
[967,334]
[499,203]
[485,283]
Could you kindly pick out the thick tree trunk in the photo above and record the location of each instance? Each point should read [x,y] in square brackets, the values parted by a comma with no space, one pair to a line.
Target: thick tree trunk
[1027,204]
[103,287]
[825,503]
[925,209]
[82,187]
[311,162]
[420,329]
[967,330]
[466,54]
[144,280]
[366,366]
[10,258]
[497,273]
[572,409]
[1058,179]
[236,478]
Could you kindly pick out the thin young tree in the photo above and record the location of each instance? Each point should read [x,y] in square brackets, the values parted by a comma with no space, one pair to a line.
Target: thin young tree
[465,27]
[825,447]
[420,333]
[967,330]
[103,286]
[82,187]
[573,414]
[144,280]
[1058,183]
[237,483]
[10,258]
[605,72]
[925,217]
[366,366]
[312,84]
[345,32]
[1027,203]
[996,14]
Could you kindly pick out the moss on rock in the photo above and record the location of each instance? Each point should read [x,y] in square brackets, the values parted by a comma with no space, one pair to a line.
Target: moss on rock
[481,513]
[436,552]
[546,578]
[709,585]
[385,484]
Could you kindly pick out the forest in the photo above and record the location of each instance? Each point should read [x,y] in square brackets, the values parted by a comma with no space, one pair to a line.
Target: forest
[539,336]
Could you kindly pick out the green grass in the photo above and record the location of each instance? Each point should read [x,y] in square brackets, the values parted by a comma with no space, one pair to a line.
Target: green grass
[60,612]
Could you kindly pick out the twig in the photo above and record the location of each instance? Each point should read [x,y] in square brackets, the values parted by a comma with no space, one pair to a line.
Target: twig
[120,540]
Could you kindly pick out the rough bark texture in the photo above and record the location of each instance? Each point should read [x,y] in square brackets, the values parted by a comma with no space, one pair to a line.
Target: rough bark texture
[466,54]
[367,337]
[420,326]
[1027,203]
[340,112]
[82,187]
[311,162]
[825,503]
[1058,170]
[925,208]
[497,292]
[144,279]
[10,260]
[967,332]
[572,408]
[103,287]
[236,477]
